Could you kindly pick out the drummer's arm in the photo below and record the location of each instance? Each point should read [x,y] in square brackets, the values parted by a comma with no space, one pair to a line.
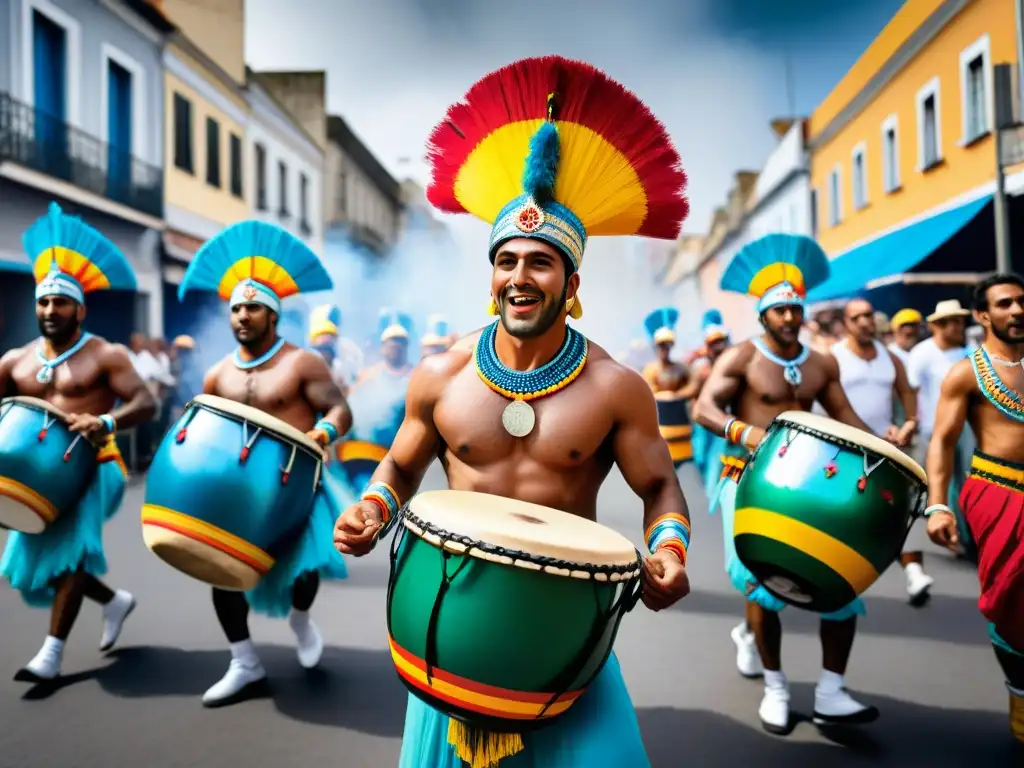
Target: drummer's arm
[954,398]
[721,389]
[833,398]
[641,453]
[137,404]
[417,443]
[324,395]
[10,357]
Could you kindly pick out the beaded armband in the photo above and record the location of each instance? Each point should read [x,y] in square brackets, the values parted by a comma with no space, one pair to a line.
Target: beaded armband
[737,431]
[109,423]
[384,496]
[328,429]
[671,532]
[936,508]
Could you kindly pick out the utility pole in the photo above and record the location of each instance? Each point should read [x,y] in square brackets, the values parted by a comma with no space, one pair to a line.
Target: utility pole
[1018,7]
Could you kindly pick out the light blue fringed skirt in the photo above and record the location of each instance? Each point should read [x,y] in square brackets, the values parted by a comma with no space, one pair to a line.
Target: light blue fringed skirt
[600,729]
[313,552]
[33,562]
[742,579]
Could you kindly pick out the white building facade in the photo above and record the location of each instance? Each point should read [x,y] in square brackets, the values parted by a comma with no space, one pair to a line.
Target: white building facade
[284,170]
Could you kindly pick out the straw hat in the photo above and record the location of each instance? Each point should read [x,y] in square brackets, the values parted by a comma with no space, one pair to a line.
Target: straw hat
[947,309]
[184,342]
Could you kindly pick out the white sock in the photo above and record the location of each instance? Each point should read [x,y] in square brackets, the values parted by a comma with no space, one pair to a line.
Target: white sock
[1014,691]
[299,620]
[52,645]
[774,678]
[913,569]
[245,652]
[830,682]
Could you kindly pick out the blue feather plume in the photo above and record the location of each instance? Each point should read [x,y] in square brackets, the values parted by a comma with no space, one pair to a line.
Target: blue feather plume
[712,317]
[389,317]
[665,317]
[437,325]
[292,257]
[58,229]
[542,164]
[792,251]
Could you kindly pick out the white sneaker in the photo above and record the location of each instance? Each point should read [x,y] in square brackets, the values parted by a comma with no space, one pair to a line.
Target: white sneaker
[236,683]
[748,659]
[114,614]
[774,710]
[44,666]
[840,708]
[309,644]
[919,583]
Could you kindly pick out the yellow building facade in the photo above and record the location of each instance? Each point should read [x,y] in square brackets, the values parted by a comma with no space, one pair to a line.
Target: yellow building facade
[906,134]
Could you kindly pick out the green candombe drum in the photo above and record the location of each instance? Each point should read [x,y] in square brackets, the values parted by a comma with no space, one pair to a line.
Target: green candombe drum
[500,613]
[822,509]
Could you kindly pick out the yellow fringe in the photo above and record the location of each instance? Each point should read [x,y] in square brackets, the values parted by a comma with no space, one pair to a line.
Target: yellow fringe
[482,749]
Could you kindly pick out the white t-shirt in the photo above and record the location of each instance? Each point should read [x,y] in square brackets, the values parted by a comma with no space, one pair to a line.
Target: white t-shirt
[868,384]
[927,366]
[901,354]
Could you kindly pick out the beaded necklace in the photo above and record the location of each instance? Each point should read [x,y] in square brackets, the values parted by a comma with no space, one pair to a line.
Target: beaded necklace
[791,368]
[246,365]
[1008,402]
[521,386]
[45,374]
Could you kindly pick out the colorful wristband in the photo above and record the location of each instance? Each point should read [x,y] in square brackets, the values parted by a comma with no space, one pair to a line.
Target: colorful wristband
[328,429]
[671,531]
[109,423]
[384,496]
[734,430]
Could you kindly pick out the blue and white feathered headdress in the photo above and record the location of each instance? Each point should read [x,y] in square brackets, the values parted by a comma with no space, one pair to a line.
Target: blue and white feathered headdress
[777,270]
[394,325]
[437,333]
[661,325]
[713,327]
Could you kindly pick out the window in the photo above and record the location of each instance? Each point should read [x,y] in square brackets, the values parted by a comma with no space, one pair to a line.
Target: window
[929,135]
[975,87]
[236,166]
[261,177]
[860,179]
[183,154]
[304,203]
[835,203]
[890,155]
[282,189]
[212,152]
[814,213]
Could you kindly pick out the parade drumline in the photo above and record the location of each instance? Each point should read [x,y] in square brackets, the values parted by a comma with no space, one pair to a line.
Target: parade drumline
[505,593]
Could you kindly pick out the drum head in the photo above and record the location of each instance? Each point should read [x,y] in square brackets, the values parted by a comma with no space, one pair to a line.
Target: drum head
[531,529]
[255,416]
[18,517]
[39,405]
[812,422]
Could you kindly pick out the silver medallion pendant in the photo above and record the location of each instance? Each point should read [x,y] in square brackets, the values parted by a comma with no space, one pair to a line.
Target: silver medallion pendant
[44,375]
[792,375]
[518,418]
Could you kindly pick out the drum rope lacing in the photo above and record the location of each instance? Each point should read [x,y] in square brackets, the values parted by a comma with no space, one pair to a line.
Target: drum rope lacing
[916,509]
[247,440]
[624,602]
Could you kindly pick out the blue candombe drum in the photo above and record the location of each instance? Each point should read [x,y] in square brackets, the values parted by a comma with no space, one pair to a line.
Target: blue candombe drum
[229,489]
[45,468]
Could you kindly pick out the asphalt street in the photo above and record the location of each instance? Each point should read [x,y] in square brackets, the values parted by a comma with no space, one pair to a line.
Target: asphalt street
[929,670]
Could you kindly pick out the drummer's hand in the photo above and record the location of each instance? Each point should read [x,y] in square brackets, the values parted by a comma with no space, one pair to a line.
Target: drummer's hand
[942,530]
[906,433]
[355,529]
[664,580]
[755,437]
[892,434]
[85,423]
[319,437]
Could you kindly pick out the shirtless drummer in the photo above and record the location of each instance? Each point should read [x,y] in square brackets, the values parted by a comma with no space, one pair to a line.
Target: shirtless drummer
[985,390]
[84,376]
[751,384]
[292,384]
[554,451]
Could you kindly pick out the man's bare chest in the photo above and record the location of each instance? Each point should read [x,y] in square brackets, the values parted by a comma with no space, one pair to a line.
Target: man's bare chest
[73,378]
[269,390]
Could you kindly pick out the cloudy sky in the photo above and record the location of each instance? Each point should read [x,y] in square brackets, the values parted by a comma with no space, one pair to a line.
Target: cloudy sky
[713,70]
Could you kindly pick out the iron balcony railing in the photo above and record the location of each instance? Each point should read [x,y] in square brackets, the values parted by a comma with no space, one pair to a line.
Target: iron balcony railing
[36,140]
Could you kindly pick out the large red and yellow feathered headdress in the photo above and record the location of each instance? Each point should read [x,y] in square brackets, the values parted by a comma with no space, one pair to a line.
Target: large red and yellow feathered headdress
[554,149]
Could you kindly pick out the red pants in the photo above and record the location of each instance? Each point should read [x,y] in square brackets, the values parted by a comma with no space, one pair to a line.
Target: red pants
[993,504]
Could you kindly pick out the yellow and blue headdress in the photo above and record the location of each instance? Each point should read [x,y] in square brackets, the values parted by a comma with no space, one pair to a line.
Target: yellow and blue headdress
[437,333]
[70,258]
[324,320]
[661,325]
[555,150]
[253,262]
[394,325]
[713,327]
[777,270]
